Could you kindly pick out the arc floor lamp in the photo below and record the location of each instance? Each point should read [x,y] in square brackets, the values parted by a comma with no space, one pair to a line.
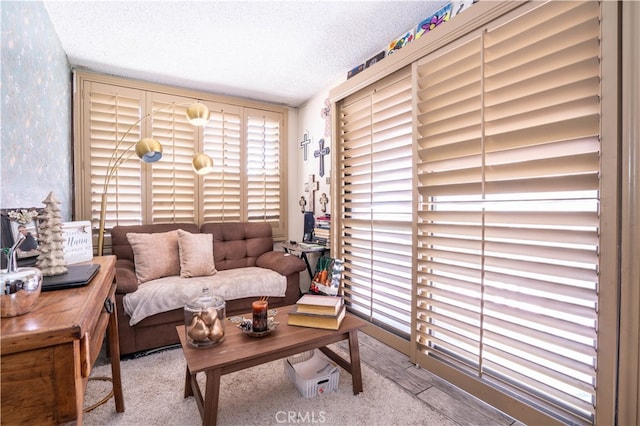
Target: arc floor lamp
[149,150]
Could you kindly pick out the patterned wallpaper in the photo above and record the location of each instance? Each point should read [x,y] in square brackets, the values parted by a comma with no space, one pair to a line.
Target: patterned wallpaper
[35,153]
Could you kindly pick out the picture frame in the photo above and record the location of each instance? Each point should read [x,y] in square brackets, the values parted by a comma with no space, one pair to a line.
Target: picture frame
[16,221]
[78,246]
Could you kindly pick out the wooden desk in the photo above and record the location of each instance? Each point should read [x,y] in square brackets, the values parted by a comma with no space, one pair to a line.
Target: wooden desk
[47,354]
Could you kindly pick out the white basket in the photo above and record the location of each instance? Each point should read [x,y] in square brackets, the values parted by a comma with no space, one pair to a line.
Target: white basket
[312,373]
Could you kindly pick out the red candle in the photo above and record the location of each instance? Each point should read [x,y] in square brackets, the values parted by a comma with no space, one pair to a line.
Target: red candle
[259,308]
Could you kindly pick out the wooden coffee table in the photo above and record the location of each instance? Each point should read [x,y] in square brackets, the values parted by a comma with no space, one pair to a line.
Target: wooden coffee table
[239,351]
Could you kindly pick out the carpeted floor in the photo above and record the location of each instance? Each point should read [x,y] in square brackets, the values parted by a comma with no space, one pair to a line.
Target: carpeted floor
[154,385]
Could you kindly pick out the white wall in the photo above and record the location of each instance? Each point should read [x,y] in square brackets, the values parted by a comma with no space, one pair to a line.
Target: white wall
[309,118]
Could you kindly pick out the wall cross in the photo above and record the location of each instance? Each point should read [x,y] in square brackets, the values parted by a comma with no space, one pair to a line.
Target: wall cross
[324,200]
[324,150]
[311,187]
[304,145]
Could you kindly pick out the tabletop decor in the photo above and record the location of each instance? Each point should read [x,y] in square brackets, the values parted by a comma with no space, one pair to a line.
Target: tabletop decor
[20,286]
[259,310]
[204,320]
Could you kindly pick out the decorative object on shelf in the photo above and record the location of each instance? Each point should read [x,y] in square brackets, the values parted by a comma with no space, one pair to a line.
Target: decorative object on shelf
[302,203]
[355,70]
[320,153]
[20,286]
[374,59]
[459,6]
[149,151]
[51,258]
[204,320]
[306,140]
[429,24]
[324,200]
[325,114]
[400,42]
[311,186]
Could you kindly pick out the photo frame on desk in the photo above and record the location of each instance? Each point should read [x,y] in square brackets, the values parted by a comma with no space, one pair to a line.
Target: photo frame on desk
[16,221]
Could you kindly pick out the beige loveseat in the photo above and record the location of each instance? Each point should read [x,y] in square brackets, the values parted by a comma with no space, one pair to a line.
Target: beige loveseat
[161,267]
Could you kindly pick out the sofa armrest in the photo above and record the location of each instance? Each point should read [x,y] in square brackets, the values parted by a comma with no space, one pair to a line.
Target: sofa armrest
[281,262]
[126,280]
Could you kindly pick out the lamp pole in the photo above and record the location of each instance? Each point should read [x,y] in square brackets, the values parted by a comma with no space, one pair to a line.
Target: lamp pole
[149,151]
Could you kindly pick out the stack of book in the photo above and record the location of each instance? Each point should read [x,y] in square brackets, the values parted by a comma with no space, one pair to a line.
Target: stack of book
[322,230]
[317,311]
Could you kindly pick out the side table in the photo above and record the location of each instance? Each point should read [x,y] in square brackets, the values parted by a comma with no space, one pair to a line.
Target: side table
[48,353]
[301,250]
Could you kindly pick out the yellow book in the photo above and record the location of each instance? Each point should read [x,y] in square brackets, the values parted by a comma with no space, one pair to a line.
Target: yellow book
[330,322]
[317,304]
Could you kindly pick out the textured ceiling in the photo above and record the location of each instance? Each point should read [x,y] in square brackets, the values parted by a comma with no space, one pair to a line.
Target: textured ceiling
[275,51]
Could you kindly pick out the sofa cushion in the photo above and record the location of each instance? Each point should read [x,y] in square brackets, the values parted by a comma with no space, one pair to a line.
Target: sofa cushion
[120,246]
[238,244]
[196,254]
[155,255]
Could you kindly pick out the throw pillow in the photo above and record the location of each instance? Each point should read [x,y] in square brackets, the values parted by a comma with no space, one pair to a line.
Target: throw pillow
[196,254]
[155,255]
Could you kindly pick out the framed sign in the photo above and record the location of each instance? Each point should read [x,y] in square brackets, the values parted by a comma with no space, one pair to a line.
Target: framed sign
[78,246]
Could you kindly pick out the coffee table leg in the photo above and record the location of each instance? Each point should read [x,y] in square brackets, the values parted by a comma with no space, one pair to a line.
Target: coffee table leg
[188,390]
[354,353]
[211,397]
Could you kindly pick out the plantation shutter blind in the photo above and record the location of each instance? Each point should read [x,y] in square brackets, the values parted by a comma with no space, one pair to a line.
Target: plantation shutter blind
[263,171]
[375,162]
[223,196]
[508,219]
[174,185]
[112,111]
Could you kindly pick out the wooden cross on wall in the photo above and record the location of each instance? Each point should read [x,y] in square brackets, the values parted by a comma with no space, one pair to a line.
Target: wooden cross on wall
[303,144]
[311,187]
[321,153]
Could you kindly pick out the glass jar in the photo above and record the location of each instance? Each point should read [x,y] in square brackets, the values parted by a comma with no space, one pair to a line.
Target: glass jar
[204,319]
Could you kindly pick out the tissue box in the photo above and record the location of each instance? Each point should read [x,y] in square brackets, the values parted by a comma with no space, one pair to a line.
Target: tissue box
[312,373]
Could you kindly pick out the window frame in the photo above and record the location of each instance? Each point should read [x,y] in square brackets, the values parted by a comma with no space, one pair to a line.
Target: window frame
[85,197]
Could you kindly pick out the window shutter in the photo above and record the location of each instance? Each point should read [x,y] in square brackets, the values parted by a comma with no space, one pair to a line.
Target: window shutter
[223,196]
[112,111]
[263,168]
[508,220]
[375,164]
[174,185]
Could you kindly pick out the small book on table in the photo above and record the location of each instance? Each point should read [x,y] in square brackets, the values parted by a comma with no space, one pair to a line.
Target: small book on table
[330,322]
[318,304]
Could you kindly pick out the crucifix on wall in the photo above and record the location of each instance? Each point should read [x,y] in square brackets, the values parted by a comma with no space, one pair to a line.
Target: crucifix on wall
[311,187]
[324,200]
[304,145]
[324,150]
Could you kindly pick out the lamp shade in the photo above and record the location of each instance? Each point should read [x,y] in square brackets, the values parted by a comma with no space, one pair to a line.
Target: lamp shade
[149,150]
[198,114]
[202,164]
